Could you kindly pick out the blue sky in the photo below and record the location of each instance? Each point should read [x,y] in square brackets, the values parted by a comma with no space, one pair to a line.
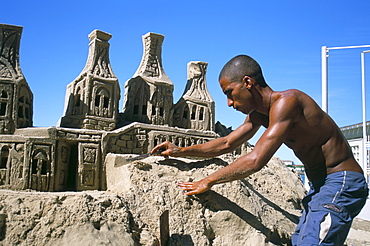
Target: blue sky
[285,37]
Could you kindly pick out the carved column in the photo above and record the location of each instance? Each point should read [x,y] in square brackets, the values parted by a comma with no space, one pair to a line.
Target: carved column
[16,98]
[92,98]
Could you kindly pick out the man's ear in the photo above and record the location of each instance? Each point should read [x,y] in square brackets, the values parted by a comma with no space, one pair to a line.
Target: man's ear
[247,82]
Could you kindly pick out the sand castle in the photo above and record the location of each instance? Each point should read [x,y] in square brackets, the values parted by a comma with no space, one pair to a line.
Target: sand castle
[71,155]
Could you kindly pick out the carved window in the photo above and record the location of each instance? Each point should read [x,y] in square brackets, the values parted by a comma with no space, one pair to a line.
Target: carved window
[77,103]
[28,106]
[161,111]
[77,100]
[153,110]
[193,112]
[106,102]
[97,100]
[21,107]
[136,109]
[3,102]
[40,163]
[34,166]
[102,101]
[144,108]
[27,109]
[201,114]
[185,114]
[24,109]
[44,167]
[4,157]
[2,108]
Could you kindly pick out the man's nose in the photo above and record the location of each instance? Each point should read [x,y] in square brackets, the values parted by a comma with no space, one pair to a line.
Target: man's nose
[230,102]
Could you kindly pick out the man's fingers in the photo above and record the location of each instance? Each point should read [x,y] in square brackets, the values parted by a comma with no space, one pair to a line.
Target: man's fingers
[189,193]
[188,187]
[159,147]
[193,188]
[184,184]
[165,153]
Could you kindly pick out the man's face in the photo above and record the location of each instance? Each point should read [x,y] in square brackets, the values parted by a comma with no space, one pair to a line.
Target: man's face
[238,96]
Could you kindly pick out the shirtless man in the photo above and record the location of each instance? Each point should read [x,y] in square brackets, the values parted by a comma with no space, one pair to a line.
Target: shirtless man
[338,188]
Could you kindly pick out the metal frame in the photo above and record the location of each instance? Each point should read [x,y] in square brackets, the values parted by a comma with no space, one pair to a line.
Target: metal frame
[324,72]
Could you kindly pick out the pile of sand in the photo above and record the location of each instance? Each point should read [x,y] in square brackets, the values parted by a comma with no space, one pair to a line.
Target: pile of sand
[262,209]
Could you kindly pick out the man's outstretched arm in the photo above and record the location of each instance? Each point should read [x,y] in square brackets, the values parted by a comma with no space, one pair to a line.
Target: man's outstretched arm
[212,148]
[281,119]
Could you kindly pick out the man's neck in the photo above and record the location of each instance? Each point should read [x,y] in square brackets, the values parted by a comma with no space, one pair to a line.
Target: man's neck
[265,95]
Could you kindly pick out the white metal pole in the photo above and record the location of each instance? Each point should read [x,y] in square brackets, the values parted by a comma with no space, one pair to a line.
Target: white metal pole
[324,78]
[364,133]
[349,47]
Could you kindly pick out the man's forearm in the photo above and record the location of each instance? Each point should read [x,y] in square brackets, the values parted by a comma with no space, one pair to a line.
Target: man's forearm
[222,145]
[213,148]
[240,168]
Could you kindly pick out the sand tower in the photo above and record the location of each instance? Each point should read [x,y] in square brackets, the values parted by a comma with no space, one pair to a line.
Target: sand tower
[16,98]
[148,94]
[196,108]
[92,98]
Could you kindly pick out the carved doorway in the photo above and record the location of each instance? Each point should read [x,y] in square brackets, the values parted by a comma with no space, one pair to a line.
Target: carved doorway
[40,170]
[73,167]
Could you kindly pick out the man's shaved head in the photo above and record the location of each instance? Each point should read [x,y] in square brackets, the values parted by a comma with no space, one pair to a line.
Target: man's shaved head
[240,66]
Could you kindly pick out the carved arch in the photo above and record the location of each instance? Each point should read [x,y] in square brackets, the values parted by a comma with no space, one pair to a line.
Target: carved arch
[40,163]
[102,102]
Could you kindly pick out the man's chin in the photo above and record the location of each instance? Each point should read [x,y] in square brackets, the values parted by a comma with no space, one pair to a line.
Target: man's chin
[240,110]
[246,112]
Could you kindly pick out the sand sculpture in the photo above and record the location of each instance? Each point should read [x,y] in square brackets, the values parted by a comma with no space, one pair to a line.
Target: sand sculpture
[71,155]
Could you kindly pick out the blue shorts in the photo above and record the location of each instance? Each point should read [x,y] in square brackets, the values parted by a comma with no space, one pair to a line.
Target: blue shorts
[329,208]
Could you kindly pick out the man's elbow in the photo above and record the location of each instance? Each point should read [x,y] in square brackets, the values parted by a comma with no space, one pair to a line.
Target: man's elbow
[226,147]
[255,163]
[256,168]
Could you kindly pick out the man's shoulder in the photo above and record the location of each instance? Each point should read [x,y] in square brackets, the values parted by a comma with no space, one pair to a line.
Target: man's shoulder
[295,104]
[291,93]
[287,105]
[291,98]
[282,99]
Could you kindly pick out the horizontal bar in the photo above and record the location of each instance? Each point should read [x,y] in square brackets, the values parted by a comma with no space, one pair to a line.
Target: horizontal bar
[348,47]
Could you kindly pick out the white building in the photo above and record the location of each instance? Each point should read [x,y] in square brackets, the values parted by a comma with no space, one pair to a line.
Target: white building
[354,135]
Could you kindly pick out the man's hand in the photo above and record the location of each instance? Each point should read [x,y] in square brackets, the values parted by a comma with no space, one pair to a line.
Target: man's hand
[168,149]
[193,188]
